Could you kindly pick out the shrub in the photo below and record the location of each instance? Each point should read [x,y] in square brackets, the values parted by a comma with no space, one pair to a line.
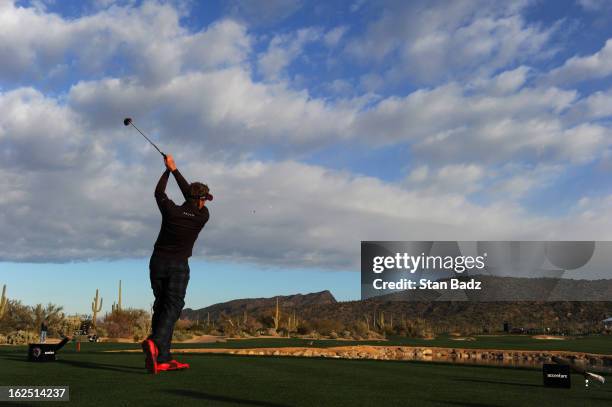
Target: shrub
[18,317]
[327,326]
[183,325]
[21,317]
[181,336]
[127,323]
[267,321]
[304,328]
[228,327]
[360,328]
[101,331]
[22,337]
[252,326]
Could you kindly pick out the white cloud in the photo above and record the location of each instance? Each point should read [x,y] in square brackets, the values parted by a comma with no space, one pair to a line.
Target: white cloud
[38,134]
[224,43]
[504,83]
[443,40]
[340,87]
[371,82]
[581,68]
[513,181]
[461,179]
[283,213]
[283,50]
[263,212]
[226,111]
[506,183]
[208,92]
[333,36]
[419,174]
[594,5]
[221,110]
[450,124]
[597,105]
[149,41]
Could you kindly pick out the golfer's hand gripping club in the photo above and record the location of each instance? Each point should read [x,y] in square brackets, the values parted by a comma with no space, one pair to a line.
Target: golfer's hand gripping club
[169,161]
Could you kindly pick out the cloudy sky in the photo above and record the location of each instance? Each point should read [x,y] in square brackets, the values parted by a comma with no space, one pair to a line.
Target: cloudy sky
[316,125]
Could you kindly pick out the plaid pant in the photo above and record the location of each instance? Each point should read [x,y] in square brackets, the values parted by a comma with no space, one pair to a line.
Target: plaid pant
[169,279]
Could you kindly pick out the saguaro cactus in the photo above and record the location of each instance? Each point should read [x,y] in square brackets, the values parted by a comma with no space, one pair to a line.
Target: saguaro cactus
[292,322]
[117,307]
[277,316]
[289,324]
[95,308]
[3,301]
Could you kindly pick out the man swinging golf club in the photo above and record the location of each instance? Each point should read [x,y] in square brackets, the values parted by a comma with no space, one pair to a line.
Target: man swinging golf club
[169,267]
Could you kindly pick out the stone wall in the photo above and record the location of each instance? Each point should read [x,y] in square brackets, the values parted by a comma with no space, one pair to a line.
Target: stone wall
[435,354]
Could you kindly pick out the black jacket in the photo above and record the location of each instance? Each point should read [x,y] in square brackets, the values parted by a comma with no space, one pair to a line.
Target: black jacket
[180,224]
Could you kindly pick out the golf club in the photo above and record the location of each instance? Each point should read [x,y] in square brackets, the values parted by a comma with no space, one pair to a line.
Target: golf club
[128,120]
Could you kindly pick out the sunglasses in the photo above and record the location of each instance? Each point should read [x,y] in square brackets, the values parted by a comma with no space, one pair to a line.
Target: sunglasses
[207,197]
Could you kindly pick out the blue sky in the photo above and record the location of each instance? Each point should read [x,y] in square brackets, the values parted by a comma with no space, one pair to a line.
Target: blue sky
[316,124]
[74,284]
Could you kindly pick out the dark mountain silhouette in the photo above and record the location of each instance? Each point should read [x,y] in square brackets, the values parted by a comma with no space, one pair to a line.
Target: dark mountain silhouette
[533,304]
[256,305]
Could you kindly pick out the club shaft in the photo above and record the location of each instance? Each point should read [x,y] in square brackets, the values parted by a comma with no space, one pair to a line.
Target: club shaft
[143,135]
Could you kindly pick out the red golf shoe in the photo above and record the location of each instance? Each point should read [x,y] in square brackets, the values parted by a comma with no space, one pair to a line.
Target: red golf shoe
[166,367]
[150,350]
[179,365]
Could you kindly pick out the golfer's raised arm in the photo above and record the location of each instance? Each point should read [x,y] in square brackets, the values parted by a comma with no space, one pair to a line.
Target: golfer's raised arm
[180,180]
[160,191]
[182,183]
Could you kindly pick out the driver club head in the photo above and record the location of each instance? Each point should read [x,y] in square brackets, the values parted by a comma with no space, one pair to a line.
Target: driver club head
[127,121]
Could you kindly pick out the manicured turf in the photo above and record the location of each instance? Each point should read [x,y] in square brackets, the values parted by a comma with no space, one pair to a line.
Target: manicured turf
[97,378]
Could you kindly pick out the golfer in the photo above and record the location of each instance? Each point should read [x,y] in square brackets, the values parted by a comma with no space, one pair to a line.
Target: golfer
[169,267]
[44,327]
